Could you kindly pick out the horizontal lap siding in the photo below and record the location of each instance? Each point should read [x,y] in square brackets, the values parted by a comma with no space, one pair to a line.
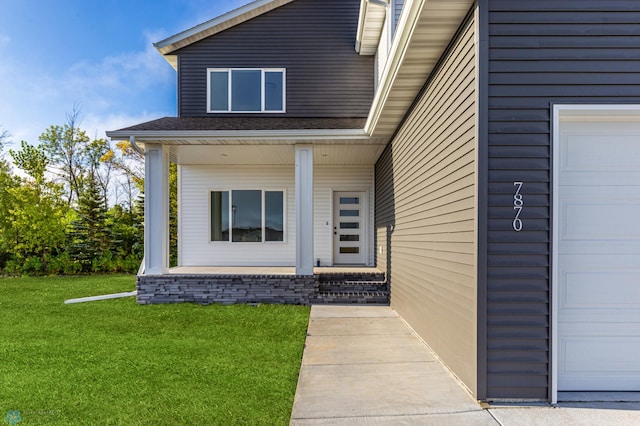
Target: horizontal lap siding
[426,210]
[540,52]
[197,181]
[313,39]
[195,184]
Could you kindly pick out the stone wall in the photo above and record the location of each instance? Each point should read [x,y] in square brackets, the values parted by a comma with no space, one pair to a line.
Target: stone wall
[227,289]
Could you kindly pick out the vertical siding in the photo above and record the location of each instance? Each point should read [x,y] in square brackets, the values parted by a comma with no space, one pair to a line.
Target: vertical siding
[426,202]
[540,52]
[196,182]
[312,39]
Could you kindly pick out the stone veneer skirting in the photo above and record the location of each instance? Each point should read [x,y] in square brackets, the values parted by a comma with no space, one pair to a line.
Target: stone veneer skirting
[227,289]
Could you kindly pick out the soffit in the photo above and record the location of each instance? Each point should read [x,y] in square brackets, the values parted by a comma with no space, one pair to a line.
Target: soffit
[424,31]
[370,23]
[274,154]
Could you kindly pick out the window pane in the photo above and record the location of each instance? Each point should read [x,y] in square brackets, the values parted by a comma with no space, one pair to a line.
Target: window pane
[349,200]
[273,91]
[220,216]
[274,215]
[246,209]
[349,237]
[350,250]
[246,91]
[344,213]
[349,225]
[219,85]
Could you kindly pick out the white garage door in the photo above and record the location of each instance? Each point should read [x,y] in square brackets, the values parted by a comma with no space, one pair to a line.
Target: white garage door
[599,256]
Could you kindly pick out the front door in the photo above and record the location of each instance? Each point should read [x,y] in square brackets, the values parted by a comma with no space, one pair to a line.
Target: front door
[349,228]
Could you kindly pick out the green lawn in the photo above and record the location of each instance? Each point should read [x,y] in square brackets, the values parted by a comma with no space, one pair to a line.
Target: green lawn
[115,362]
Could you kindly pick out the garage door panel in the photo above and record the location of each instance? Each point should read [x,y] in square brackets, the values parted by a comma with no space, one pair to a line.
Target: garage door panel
[601,289]
[599,256]
[596,213]
[591,149]
[599,362]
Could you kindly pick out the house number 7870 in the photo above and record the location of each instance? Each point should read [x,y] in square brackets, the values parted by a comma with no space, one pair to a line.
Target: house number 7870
[518,203]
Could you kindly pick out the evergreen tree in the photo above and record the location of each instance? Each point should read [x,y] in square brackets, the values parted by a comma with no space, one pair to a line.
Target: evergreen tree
[89,236]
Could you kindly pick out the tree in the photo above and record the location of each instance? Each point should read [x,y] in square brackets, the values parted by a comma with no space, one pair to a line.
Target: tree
[93,152]
[65,146]
[33,160]
[4,136]
[8,184]
[36,214]
[89,238]
[130,164]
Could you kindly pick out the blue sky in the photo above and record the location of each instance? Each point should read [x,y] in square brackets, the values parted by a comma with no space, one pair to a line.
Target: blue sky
[97,54]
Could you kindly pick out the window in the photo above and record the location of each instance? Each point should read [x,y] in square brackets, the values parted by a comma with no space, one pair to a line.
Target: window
[242,216]
[246,90]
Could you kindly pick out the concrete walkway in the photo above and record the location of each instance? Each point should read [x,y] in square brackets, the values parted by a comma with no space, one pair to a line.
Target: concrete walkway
[363,365]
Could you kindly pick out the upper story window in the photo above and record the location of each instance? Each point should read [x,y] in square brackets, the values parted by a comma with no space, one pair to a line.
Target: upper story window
[246,90]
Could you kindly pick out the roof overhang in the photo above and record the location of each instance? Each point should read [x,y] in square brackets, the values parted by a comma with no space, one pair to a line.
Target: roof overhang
[370,23]
[425,29]
[223,22]
[214,137]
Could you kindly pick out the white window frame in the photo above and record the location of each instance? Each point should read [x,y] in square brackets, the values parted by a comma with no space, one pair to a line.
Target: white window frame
[229,72]
[263,214]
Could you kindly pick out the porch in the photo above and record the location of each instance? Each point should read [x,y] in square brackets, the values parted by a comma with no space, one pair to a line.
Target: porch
[229,285]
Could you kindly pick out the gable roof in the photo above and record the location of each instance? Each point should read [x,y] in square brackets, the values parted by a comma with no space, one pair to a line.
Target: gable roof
[223,22]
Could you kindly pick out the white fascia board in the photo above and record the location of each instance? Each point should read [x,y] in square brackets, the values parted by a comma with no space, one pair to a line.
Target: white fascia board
[409,18]
[297,135]
[218,24]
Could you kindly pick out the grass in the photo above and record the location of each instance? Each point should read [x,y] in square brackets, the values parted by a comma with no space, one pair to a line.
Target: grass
[115,362]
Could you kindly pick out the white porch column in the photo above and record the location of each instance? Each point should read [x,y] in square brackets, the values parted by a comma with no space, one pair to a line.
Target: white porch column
[304,209]
[156,209]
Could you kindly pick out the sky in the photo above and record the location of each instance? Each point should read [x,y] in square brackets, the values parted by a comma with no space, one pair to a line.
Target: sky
[96,55]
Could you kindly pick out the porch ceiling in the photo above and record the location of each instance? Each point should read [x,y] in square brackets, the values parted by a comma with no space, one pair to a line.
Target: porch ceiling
[328,154]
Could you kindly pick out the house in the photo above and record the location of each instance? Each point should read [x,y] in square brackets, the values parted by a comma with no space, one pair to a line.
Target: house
[484,155]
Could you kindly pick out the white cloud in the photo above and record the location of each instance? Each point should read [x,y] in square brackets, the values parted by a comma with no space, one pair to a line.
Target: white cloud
[97,125]
[115,92]
[129,73]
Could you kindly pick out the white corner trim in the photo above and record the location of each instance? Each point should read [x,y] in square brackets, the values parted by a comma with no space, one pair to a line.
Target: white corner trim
[555,138]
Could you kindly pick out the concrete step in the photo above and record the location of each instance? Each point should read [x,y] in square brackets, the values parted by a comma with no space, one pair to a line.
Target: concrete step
[347,286]
[353,297]
[351,276]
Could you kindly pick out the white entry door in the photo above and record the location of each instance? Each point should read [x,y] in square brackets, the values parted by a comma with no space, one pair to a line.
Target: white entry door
[349,228]
[598,243]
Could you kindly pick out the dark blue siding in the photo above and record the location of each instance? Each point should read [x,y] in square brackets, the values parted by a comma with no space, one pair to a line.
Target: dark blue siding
[313,39]
[541,52]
